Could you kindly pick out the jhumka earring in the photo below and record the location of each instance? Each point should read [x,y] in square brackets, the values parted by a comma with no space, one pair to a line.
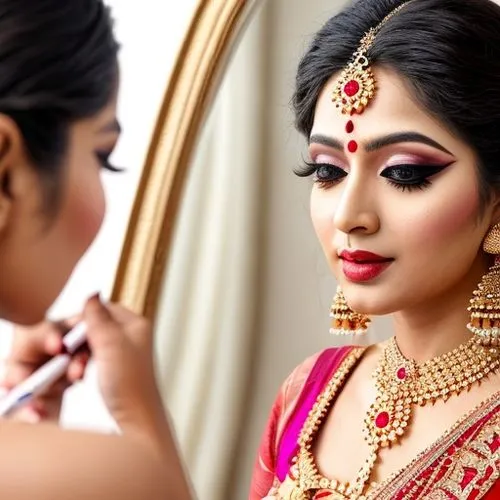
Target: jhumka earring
[485,303]
[345,321]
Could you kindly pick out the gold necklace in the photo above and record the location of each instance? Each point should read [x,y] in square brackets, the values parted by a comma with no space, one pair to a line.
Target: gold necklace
[401,384]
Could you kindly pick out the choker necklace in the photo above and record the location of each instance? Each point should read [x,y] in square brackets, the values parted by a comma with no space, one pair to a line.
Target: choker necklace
[401,385]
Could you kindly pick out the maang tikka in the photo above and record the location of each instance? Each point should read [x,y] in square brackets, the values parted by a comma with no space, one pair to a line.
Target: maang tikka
[353,91]
[485,303]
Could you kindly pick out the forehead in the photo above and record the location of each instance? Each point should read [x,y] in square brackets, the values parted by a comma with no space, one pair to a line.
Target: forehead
[393,109]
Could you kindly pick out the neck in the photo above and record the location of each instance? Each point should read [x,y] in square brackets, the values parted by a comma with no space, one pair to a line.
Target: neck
[439,325]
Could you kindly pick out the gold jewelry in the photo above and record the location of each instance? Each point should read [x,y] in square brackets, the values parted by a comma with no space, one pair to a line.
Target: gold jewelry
[401,384]
[345,321]
[484,306]
[356,85]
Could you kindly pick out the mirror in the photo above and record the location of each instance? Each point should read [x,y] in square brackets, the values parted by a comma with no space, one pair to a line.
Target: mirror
[220,251]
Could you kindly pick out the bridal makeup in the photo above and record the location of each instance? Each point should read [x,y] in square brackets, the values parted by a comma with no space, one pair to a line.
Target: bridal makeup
[402,187]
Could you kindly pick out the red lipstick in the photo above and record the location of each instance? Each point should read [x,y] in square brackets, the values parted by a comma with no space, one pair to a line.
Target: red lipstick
[360,266]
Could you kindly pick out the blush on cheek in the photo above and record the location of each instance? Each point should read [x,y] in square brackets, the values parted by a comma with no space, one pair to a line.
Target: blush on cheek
[446,218]
[85,215]
[88,217]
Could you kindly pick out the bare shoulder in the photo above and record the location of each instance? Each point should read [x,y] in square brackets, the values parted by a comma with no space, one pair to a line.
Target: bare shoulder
[296,381]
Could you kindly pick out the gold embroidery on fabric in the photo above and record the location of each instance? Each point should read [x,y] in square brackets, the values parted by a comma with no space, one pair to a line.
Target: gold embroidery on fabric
[475,467]
[393,484]
[478,454]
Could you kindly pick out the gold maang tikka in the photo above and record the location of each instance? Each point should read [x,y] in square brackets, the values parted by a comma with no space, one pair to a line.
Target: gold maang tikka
[356,86]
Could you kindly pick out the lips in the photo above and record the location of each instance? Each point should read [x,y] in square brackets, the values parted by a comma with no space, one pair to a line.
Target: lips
[362,266]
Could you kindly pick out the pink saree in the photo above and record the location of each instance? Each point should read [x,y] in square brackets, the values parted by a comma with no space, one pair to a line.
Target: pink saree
[463,465]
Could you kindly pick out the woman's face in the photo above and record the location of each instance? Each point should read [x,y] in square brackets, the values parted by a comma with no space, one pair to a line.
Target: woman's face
[39,250]
[409,195]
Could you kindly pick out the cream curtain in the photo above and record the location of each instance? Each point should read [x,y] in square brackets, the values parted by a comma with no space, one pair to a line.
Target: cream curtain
[206,313]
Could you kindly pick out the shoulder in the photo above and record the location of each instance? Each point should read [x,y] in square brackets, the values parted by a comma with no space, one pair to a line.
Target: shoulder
[306,380]
[317,370]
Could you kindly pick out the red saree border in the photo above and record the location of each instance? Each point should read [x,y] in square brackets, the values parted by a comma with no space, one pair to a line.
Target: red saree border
[467,428]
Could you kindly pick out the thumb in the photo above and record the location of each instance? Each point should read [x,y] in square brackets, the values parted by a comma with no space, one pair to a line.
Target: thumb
[101,327]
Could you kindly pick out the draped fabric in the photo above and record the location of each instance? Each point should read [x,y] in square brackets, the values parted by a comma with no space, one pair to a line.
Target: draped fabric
[462,465]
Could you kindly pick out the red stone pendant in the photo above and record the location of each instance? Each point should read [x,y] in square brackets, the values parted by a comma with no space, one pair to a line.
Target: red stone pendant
[354,89]
[401,373]
[382,420]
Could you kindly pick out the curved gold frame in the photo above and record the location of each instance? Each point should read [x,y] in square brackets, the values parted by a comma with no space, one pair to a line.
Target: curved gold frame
[203,56]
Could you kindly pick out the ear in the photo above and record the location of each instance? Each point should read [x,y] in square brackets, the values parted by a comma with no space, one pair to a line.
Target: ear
[14,178]
[495,212]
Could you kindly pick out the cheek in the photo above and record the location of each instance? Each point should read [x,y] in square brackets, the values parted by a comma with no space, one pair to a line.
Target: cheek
[450,215]
[322,208]
[86,210]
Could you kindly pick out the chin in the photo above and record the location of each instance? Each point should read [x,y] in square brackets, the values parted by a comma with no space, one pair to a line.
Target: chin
[369,300]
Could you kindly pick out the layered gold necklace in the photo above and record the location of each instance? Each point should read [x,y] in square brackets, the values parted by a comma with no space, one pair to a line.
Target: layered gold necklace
[401,385]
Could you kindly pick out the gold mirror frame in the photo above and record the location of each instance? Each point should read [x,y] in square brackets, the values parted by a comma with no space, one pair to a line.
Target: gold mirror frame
[203,56]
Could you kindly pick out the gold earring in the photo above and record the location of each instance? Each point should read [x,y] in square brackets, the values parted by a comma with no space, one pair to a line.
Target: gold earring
[345,321]
[485,303]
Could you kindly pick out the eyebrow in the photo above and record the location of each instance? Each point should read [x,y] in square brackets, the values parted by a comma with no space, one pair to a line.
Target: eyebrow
[381,142]
[113,126]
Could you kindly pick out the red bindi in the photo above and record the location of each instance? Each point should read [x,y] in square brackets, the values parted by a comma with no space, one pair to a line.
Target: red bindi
[352,147]
[349,128]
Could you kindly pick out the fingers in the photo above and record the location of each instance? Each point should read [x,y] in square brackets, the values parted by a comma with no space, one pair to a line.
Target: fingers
[33,345]
[76,369]
[103,331]
[15,373]
[43,408]
[95,313]
[138,328]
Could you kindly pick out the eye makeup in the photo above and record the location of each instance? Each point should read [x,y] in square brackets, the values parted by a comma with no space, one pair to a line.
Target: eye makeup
[405,172]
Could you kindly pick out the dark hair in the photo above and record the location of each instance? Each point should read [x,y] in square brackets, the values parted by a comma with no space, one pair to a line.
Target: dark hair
[448,51]
[58,64]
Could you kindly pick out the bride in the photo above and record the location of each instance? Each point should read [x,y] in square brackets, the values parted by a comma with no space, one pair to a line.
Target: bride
[400,104]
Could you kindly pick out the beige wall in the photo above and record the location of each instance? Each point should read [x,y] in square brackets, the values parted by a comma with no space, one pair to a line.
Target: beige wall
[295,284]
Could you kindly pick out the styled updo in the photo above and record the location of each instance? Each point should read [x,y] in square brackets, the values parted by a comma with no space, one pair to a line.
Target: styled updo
[58,64]
[448,52]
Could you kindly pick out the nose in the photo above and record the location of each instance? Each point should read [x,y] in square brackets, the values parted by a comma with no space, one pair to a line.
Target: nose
[356,211]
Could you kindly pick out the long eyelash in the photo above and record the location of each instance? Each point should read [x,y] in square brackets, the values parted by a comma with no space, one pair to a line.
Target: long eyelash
[309,169]
[111,168]
[306,170]
[423,184]
[106,165]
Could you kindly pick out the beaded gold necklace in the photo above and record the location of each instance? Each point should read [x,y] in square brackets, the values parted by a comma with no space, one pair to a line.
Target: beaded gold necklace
[401,385]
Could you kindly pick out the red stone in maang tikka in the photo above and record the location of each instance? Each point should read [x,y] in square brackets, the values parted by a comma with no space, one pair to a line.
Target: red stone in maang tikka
[353,91]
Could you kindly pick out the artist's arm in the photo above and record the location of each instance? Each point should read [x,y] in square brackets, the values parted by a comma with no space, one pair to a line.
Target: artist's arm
[45,462]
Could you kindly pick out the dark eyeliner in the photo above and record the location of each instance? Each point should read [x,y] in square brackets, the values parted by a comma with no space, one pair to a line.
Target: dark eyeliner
[407,177]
